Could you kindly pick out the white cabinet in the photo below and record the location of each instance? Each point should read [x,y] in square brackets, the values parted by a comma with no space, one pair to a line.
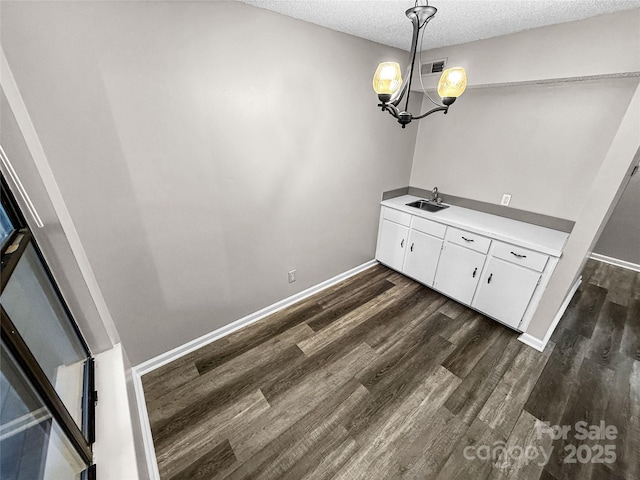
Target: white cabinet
[422,257]
[392,240]
[459,271]
[505,291]
[410,244]
[501,279]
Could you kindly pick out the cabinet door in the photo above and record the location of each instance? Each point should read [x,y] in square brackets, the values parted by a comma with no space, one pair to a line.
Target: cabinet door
[392,241]
[505,291]
[422,256]
[458,272]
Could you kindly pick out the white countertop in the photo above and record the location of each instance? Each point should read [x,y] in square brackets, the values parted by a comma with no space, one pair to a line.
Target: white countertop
[542,239]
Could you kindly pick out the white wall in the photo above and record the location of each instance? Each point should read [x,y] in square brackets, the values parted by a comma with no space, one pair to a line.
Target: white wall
[203,150]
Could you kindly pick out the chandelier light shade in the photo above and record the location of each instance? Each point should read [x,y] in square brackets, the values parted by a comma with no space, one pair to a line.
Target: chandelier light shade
[452,82]
[388,79]
[388,84]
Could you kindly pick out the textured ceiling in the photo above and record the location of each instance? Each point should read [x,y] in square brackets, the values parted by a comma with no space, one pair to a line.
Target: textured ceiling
[457,21]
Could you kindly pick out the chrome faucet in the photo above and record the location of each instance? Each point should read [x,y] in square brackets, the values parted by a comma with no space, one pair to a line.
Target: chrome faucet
[435,198]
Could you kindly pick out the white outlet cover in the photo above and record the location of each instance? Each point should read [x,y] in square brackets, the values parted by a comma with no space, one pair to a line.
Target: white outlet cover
[506,199]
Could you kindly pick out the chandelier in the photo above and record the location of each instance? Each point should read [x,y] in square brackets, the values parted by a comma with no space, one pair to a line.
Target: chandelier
[388,84]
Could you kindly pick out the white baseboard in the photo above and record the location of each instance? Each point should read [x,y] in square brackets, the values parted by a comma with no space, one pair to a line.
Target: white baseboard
[178,352]
[540,345]
[145,426]
[615,261]
[171,355]
[532,341]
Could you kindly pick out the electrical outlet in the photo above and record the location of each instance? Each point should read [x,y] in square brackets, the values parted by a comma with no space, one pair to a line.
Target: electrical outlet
[506,199]
[292,276]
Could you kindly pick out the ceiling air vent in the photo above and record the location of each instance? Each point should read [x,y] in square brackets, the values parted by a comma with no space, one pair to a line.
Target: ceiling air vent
[437,66]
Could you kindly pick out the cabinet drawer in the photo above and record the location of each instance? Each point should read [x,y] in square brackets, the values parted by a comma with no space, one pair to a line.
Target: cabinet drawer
[520,256]
[469,240]
[427,226]
[396,216]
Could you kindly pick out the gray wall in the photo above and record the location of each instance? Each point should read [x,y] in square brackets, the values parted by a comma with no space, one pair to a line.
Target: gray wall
[204,149]
[51,238]
[620,238]
[543,144]
[547,120]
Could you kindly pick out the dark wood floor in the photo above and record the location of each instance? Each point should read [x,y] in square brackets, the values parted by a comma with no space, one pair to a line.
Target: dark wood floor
[381,378]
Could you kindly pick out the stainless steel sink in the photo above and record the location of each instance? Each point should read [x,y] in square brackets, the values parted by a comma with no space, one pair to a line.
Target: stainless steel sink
[427,205]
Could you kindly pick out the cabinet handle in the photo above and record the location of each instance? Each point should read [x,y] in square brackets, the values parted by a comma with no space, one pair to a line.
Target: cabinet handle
[489,280]
[402,243]
[475,270]
[411,247]
[518,255]
[467,239]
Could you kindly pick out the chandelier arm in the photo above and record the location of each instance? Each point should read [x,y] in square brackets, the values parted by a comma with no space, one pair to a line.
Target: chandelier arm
[437,109]
[392,109]
[420,17]
[408,73]
[414,47]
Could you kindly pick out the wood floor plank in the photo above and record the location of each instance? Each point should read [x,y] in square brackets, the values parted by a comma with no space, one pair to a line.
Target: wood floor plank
[218,458]
[247,339]
[402,320]
[551,393]
[380,324]
[621,285]
[338,293]
[545,475]
[155,388]
[583,319]
[416,434]
[304,453]
[632,434]
[619,414]
[473,392]
[325,416]
[353,301]
[588,402]
[469,321]
[526,451]
[348,322]
[441,435]
[630,343]
[331,463]
[504,406]
[390,386]
[301,399]
[470,349]
[182,406]
[335,294]
[175,374]
[467,461]
[602,275]
[445,326]
[177,452]
[588,271]
[386,439]
[605,344]
[452,309]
